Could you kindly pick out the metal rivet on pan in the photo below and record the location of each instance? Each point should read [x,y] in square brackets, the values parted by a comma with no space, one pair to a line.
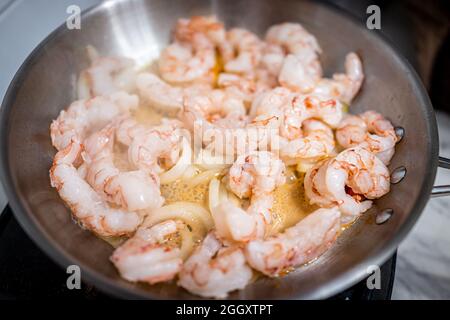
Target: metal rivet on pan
[398,174]
[400,132]
[384,216]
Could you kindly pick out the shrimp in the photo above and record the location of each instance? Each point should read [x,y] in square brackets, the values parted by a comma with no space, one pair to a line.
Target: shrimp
[343,87]
[158,148]
[285,106]
[242,87]
[298,245]
[329,110]
[301,69]
[190,30]
[351,131]
[255,176]
[272,58]
[159,94]
[292,37]
[247,48]
[293,108]
[105,76]
[86,205]
[127,129]
[84,116]
[215,107]
[246,86]
[184,63]
[317,142]
[132,190]
[300,73]
[214,270]
[236,224]
[257,173]
[264,79]
[149,256]
[348,180]
[192,57]
[369,130]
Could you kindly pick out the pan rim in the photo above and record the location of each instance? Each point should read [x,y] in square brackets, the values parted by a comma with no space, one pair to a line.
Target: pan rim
[346,279]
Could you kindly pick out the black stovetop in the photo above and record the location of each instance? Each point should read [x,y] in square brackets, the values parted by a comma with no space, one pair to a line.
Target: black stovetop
[27,273]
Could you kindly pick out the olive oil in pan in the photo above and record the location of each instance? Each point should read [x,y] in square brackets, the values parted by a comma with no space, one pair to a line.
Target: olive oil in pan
[290,205]
[181,191]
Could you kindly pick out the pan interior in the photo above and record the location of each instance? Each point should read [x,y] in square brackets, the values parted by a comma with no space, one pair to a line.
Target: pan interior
[139,29]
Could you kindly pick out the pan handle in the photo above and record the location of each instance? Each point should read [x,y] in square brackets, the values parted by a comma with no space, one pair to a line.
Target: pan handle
[444,190]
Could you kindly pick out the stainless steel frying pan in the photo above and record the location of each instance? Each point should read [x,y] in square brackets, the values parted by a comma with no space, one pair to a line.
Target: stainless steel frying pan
[137,28]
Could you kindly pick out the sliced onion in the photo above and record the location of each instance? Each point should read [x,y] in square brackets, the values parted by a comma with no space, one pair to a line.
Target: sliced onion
[304,165]
[223,193]
[193,215]
[213,194]
[177,171]
[217,193]
[203,177]
[207,161]
[187,242]
[190,172]
[189,212]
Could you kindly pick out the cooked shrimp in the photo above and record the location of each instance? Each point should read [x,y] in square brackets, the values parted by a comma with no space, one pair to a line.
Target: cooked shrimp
[351,131]
[149,256]
[292,37]
[369,130]
[215,107]
[264,79]
[127,129]
[343,87]
[301,68]
[84,116]
[300,73]
[272,58]
[270,102]
[368,176]
[236,224]
[285,106]
[159,94]
[325,186]
[254,176]
[86,205]
[243,87]
[317,141]
[132,190]
[187,63]
[296,107]
[291,109]
[247,48]
[257,173]
[348,180]
[190,30]
[105,76]
[214,270]
[298,245]
[158,148]
[328,110]
[246,86]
